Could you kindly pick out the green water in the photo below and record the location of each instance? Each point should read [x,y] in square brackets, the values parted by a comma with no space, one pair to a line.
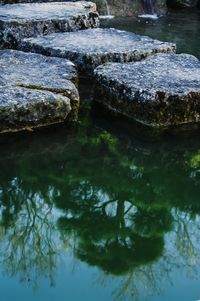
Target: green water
[102,211]
[180,27]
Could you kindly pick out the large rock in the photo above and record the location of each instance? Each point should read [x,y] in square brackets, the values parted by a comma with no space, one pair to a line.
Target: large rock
[22,108]
[112,7]
[90,48]
[35,75]
[162,90]
[18,21]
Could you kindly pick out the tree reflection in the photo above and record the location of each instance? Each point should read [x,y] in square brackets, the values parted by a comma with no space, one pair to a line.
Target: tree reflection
[28,245]
[120,202]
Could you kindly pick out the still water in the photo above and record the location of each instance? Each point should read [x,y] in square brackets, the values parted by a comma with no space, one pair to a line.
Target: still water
[101,211]
[181,27]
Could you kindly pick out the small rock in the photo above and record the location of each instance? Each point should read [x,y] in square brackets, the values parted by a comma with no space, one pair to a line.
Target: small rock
[161,91]
[18,21]
[93,47]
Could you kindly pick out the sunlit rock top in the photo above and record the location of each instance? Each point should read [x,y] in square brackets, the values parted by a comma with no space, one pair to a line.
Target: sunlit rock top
[36,90]
[90,48]
[162,90]
[18,21]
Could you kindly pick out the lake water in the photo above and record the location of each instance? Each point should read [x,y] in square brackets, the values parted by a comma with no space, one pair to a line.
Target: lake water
[103,211]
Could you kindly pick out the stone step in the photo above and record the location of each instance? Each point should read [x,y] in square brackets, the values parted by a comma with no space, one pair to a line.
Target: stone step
[36,90]
[90,48]
[18,21]
[161,91]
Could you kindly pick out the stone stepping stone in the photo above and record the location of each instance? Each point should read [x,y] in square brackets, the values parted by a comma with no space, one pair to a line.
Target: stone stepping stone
[36,90]
[25,20]
[90,48]
[161,91]
[23,109]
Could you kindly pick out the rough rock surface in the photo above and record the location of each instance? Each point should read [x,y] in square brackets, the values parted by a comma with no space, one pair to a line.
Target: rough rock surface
[93,47]
[51,78]
[162,90]
[21,108]
[18,21]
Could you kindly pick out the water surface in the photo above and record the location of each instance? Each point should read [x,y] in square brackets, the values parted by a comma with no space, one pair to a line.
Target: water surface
[181,27]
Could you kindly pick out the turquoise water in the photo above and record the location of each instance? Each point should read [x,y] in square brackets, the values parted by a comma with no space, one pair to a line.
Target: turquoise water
[102,211]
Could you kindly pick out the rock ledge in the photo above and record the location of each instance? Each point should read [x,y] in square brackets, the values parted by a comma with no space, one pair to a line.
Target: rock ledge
[93,47]
[18,21]
[161,91]
[36,90]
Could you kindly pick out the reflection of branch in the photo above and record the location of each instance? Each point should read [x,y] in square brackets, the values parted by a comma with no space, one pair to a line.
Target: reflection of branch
[184,243]
[104,205]
[130,207]
[145,277]
[29,246]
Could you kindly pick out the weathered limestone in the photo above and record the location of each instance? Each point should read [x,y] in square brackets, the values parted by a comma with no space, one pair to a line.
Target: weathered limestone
[162,90]
[93,47]
[36,90]
[22,108]
[18,21]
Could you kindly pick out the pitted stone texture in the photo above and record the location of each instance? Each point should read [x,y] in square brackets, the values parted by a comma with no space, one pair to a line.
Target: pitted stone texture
[32,70]
[21,108]
[36,90]
[18,21]
[162,90]
[90,48]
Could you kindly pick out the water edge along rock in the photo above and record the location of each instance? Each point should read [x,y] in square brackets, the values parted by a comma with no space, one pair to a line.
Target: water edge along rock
[161,91]
[36,90]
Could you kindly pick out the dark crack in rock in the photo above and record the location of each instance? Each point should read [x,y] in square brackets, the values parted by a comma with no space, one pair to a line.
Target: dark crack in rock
[90,48]
[161,91]
[18,21]
[37,73]
[22,108]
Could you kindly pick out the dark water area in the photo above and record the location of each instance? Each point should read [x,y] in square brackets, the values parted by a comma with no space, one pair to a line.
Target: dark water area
[102,211]
[180,27]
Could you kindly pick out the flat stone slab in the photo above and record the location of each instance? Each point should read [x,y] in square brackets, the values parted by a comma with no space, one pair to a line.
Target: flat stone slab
[22,108]
[18,21]
[162,90]
[35,75]
[90,48]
